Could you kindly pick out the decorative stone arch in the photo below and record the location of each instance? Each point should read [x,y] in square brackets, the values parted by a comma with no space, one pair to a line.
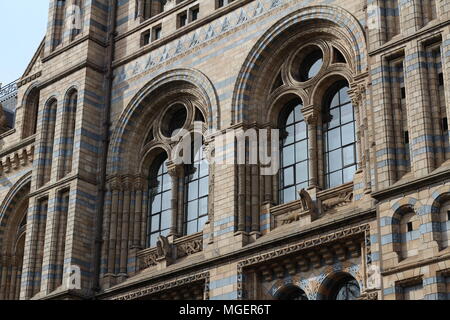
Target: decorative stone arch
[431,212]
[295,281]
[13,212]
[124,137]
[149,155]
[337,20]
[30,110]
[399,209]
[278,100]
[332,274]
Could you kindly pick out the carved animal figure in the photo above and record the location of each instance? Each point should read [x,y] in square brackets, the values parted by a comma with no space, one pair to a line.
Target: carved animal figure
[341,200]
[163,248]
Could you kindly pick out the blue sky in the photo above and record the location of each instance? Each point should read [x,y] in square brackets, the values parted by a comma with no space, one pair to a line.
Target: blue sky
[19,41]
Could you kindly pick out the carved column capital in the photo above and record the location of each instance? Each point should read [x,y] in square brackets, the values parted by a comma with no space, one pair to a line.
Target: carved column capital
[357,93]
[175,170]
[311,114]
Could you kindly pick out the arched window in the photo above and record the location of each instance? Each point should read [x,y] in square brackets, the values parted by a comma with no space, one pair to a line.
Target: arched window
[346,288]
[29,126]
[69,117]
[409,234]
[445,224]
[292,293]
[196,192]
[160,188]
[294,174]
[339,137]
[48,138]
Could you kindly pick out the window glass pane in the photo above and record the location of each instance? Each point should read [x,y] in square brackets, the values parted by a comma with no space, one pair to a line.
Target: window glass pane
[347,113]
[334,118]
[348,134]
[344,95]
[288,176]
[203,206]
[335,161]
[298,113]
[204,169]
[290,134]
[349,155]
[204,187]
[158,184]
[334,139]
[290,118]
[201,223]
[334,101]
[193,190]
[154,239]
[301,148]
[167,182]
[315,68]
[288,156]
[349,173]
[156,204]
[301,172]
[155,223]
[165,220]
[300,131]
[289,194]
[192,210]
[191,227]
[335,179]
[166,200]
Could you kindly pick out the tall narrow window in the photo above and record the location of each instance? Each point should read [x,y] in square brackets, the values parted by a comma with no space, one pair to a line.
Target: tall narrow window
[59,233]
[31,114]
[67,146]
[392,18]
[41,223]
[60,12]
[339,137]
[159,216]
[151,8]
[48,136]
[294,174]
[196,192]
[429,12]
[437,104]
[399,117]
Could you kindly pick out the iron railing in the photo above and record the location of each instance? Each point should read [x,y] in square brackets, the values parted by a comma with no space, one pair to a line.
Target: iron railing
[8,90]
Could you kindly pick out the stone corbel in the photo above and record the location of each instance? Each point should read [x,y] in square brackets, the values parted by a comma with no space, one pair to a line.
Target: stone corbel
[357,92]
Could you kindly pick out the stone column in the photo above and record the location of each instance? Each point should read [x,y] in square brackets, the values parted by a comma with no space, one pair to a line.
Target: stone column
[176,173]
[311,115]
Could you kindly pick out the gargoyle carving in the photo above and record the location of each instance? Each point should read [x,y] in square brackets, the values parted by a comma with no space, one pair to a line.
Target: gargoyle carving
[163,248]
[307,202]
[307,205]
[341,200]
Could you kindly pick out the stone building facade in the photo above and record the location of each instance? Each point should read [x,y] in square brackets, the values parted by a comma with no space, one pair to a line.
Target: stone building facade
[94,205]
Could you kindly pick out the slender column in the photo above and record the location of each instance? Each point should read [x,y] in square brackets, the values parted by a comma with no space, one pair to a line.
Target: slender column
[175,172]
[311,115]
[113,226]
[139,185]
[241,198]
[125,224]
[106,229]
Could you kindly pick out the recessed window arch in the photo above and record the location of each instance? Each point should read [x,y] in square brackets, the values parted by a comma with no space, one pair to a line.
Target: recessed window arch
[68,133]
[48,137]
[196,186]
[294,174]
[292,292]
[444,223]
[29,126]
[160,195]
[339,136]
[345,287]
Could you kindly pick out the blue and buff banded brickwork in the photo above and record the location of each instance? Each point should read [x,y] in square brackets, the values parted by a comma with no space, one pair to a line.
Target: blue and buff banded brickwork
[76,171]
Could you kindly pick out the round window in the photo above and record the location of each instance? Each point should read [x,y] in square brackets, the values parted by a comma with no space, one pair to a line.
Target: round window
[311,65]
[174,120]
